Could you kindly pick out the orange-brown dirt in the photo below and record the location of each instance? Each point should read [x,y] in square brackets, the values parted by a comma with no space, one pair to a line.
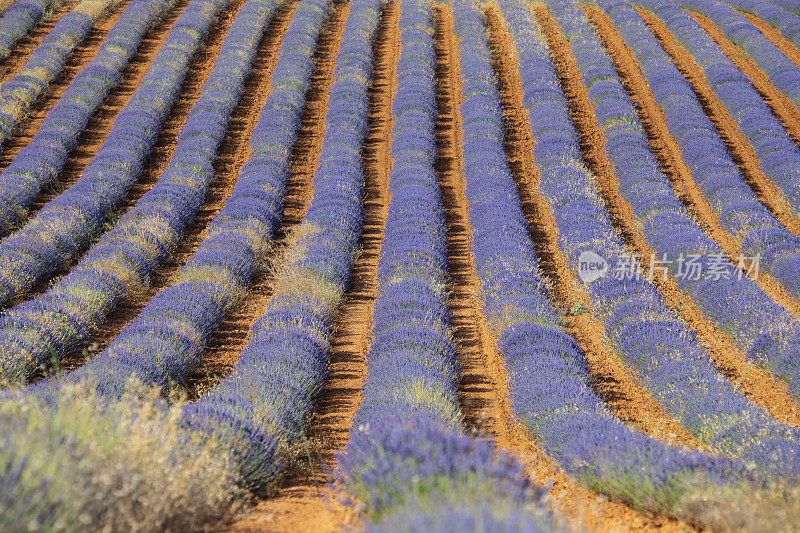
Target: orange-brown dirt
[81,56]
[329,427]
[352,324]
[781,105]
[98,128]
[100,124]
[305,501]
[669,154]
[484,385]
[759,385]
[21,52]
[617,384]
[738,145]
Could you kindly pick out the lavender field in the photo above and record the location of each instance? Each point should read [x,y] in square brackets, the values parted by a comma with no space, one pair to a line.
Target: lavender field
[400,265]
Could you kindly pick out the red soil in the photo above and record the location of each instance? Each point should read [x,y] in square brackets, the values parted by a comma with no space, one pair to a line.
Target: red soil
[617,383]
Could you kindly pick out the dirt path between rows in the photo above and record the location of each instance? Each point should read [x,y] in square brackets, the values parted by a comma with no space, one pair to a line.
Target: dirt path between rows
[616,383]
[307,499]
[94,135]
[775,36]
[669,154]
[100,124]
[352,324]
[227,343]
[737,143]
[759,385]
[484,386]
[191,90]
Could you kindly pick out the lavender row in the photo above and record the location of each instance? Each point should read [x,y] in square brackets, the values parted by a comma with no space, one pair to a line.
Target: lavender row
[284,365]
[669,359]
[779,17]
[789,5]
[19,93]
[39,163]
[741,213]
[768,333]
[122,260]
[779,155]
[550,385]
[17,21]
[164,353]
[407,459]
[67,224]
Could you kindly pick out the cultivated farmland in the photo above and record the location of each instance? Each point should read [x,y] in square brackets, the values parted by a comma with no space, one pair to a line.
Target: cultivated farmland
[400,265]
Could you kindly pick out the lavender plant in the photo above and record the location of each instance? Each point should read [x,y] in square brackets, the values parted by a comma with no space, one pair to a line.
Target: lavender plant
[407,460]
[161,346]
[272,387]
[39,163]
[18,19]
[550,384]
[668,357]
[67,224]
[778,154]
[768,333]
[20,92]
[123,258]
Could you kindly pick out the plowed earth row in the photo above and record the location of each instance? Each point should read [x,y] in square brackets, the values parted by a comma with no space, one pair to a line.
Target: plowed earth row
[304,502]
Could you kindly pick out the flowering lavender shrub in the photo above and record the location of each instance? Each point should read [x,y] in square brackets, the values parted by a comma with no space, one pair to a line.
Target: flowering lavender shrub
[766,331]
[668,357]
[775,15]
[789,5]
[39,163]
[17,21]
[20,92]
[122,260]
[284,365]
[722,183]
[550,384]
[161,345]
[82,464]
[67,224]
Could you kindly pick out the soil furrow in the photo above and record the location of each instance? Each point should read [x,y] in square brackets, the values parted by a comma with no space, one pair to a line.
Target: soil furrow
[759,385]
[616,383]
[781,105]
[191,90]
[738,145]
[83,54]
[100,124]
[352,324]
[305,502]
[22,51]
[669,154]
[484,386]
[230,339]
